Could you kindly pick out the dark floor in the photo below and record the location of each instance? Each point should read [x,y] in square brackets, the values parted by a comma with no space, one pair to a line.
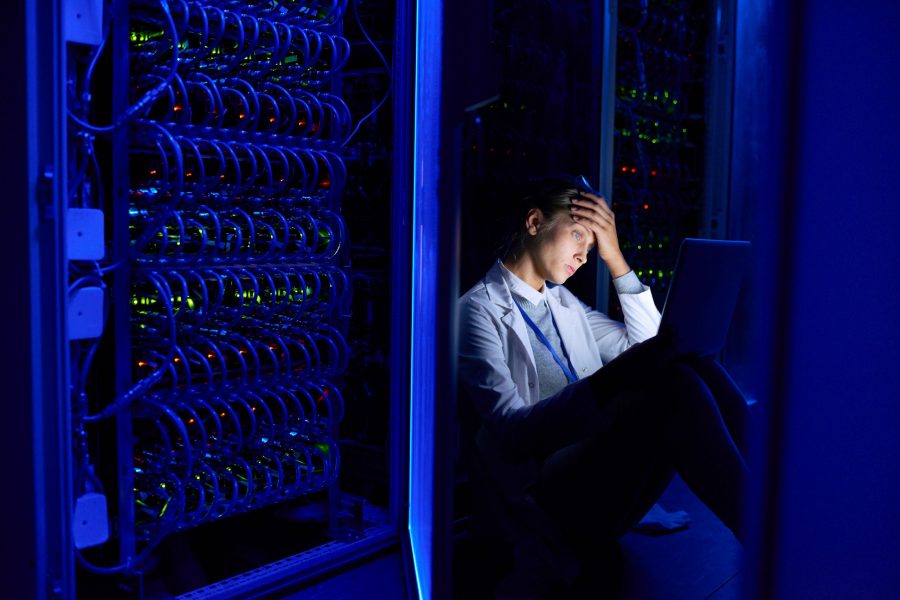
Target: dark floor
[700,562]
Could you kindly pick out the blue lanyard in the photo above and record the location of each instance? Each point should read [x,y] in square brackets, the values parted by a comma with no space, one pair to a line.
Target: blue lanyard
[567,368]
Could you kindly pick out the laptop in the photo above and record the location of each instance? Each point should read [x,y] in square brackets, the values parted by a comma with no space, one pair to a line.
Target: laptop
[703,294]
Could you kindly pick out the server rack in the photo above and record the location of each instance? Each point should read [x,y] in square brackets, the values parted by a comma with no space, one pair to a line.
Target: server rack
[237,184]
[670,95]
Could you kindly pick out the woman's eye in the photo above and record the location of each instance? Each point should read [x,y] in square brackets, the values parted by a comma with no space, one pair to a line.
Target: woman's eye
[577,235]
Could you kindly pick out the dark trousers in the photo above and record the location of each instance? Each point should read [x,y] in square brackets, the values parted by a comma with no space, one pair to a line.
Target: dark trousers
[689,418]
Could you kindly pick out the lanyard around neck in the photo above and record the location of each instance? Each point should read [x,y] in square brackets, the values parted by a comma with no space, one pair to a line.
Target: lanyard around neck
[567,368]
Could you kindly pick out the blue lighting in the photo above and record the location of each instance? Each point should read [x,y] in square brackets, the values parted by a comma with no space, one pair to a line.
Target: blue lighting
[424,278]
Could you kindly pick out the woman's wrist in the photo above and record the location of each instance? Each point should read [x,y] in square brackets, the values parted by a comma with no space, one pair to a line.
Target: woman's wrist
[617,266]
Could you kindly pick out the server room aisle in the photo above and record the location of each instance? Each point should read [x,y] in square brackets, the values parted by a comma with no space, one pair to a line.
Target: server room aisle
[697,563]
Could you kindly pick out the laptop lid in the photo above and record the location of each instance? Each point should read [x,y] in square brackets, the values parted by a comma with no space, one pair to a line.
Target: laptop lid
[705,287]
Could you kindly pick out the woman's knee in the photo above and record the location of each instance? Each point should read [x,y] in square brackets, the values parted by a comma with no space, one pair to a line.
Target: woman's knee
[681,387]
[724,392]
[680,376]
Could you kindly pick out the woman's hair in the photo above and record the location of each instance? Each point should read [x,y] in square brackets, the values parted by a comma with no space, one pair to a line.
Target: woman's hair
[551,195]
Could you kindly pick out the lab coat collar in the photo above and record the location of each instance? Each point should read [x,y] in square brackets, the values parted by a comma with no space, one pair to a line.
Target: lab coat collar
[520,288]
[499,293]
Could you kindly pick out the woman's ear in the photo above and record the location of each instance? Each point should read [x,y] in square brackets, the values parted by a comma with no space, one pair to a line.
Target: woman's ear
[533,221]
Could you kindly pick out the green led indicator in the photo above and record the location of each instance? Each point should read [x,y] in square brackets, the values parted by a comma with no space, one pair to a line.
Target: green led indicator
[146,36]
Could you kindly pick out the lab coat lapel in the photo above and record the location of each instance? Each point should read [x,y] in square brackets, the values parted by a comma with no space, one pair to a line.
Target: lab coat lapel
[501,297]
[514,321]
[570,326]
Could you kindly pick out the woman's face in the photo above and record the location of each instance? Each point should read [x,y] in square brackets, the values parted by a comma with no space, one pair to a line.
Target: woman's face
[561,249]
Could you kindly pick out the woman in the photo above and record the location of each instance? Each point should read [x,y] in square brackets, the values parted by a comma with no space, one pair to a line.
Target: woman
[582,420]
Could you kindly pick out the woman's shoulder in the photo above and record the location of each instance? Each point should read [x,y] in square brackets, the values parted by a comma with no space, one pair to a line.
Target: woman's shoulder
[477,294]
[489,289]
[488,298]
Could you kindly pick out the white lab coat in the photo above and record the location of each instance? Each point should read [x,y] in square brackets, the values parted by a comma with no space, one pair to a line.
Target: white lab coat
[498,374]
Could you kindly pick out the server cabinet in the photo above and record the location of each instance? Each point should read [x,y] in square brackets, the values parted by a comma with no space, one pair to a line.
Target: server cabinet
[227,229]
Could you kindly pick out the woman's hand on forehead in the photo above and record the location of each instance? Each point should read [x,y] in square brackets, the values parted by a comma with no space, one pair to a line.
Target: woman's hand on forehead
[592,211]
